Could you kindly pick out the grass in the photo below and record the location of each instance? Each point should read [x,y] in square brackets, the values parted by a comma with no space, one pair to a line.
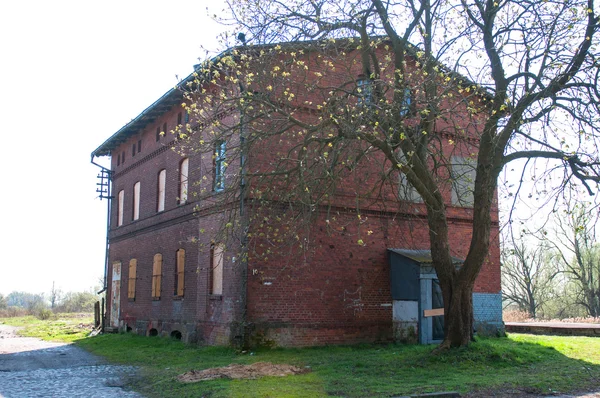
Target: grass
[533,363]
[541,364]
[59,327]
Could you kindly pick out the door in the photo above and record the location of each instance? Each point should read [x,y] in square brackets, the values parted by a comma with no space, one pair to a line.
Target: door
[115,302]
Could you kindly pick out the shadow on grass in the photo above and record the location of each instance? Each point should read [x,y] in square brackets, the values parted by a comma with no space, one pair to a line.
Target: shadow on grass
[532,363]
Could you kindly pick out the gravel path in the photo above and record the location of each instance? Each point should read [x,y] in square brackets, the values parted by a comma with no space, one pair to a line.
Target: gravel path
[30,367]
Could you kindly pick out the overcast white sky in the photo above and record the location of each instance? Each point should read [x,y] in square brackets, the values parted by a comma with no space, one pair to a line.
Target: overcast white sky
[71,74]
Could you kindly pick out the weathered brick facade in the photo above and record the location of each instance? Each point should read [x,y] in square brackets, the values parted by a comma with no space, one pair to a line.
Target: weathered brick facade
[339,292]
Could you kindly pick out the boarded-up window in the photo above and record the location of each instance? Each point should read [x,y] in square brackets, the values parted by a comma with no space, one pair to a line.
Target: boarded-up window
[179,273]
[462,175]
[406,191]
[217,269]
[156,275]
[162,181]
[120,205]
[183,180]
[136,200]
[132,277]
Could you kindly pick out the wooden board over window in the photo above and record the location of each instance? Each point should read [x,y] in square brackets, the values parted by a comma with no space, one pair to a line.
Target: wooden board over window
[132,277]
[179,279]
[217,269]
[156,275]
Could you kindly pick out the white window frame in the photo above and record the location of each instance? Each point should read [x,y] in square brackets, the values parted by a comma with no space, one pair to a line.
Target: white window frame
[120,207]
[162,183]
[136,201]
[184,168]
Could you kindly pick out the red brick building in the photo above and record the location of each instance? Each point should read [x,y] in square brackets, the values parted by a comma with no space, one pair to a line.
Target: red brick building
[168,276]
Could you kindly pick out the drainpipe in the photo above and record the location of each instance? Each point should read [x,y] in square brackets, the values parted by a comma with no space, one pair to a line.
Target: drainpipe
[108,196]
[243,215]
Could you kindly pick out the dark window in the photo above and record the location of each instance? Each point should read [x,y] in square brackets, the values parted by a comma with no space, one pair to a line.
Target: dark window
[123,157]
[219,165]
[406,102]
[157,134]
[118,159]
[179,118]
[133,150]
[139,146]
[165,128]
[187,117]
[364,88]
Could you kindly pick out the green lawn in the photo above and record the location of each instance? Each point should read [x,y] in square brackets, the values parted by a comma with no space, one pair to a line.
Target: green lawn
[59,327]
[542,364]
[535,363]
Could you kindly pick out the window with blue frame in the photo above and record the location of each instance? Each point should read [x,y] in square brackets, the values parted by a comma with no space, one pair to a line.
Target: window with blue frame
[365,91]
[220,165]
[406,102]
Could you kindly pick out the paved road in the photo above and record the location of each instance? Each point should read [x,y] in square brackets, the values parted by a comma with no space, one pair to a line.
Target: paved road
[31,367]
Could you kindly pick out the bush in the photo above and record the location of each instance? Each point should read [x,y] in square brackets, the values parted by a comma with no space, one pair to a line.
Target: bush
[43,314]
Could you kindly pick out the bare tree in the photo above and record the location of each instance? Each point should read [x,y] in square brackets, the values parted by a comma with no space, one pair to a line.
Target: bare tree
[528,274]
[483,83]
[578,254]
[55,296]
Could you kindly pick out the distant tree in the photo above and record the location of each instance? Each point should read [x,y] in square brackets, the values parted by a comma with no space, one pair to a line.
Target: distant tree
[578,253]
[77,302]
[3,302]
[23,299]
[55,295]
[528,275]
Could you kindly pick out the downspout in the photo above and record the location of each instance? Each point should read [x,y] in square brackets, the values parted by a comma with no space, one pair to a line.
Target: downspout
[244,218]
[108,196]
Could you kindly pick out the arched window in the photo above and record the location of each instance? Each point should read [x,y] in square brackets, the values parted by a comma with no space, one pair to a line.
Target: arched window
[180,273]
[136,201]
[120,205]
[156,276]
[183,180]
[162,181]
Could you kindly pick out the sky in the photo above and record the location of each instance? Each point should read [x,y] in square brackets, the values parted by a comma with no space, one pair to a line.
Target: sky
[72,73]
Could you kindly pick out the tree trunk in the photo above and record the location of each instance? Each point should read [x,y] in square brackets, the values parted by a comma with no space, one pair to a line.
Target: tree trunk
[458,305]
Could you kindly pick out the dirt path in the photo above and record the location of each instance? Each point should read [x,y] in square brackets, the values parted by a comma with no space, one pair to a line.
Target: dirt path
[30,367]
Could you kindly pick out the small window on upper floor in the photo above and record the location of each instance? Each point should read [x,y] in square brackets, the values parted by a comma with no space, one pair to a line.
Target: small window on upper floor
[462,175]
[162,182]
[136,201]
[123,157]
[183,180]
[157,134]
[179,118]
[406,102]
[164,130]
[118,159]
[364,89]
[133,150]
[120,207]
[187,117]
[406,191]
[139,146]
[219,166]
